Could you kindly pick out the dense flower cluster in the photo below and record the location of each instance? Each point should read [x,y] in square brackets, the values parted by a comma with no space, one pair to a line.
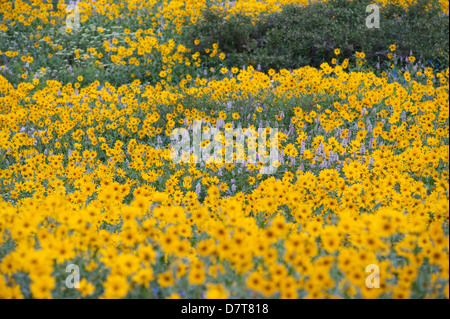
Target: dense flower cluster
[86,177]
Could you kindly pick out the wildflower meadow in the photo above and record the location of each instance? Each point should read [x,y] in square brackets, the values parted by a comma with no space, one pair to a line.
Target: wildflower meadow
[207,149]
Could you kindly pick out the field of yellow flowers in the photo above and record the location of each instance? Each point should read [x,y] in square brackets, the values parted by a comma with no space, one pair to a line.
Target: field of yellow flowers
[86,176]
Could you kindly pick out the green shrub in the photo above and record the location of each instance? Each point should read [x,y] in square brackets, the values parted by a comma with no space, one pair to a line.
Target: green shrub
[236,36]
[307,35]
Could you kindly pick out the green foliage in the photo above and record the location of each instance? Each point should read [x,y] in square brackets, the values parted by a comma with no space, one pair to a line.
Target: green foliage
[307,35]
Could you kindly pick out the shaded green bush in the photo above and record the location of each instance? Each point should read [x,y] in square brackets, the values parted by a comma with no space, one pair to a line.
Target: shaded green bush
[307,35]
